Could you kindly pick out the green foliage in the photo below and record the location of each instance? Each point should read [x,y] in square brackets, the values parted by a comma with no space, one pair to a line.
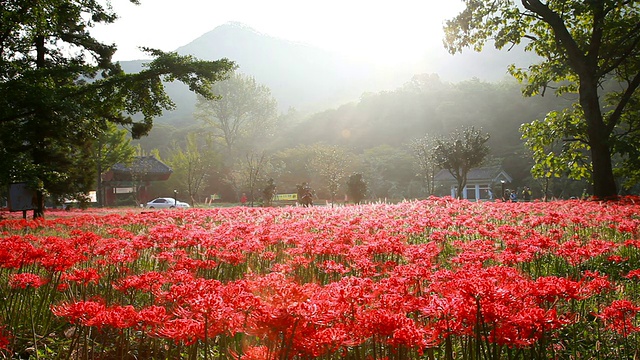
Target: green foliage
[356,188]
[268,192]
[582,46]
[378,130]
[59,89]
[193,166]
[330,162]
[242,114]
[463,150]
[422,149]
[250,171]
[112,146]
[558,145]
[388,170]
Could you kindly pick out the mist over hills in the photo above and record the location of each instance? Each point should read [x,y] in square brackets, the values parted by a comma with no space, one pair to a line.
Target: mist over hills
[311,79]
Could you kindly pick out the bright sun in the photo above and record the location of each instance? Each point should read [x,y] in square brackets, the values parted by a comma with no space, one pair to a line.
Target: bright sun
[375,31]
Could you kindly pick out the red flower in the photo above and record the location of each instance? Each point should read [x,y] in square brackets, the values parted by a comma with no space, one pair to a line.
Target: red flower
[25,280]
[82,276]
[5,337]
[633,274]
[620,316]
[80,312]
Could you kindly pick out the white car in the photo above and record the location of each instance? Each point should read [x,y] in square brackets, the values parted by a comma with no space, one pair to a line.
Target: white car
[166,203]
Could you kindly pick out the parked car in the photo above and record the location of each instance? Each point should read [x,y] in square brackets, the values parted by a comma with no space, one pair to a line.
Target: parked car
[166,203]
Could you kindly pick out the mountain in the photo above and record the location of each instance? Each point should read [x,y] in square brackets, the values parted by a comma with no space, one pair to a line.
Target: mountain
[312,79]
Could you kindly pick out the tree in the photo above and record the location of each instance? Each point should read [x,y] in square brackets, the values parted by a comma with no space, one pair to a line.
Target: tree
[582,44]
[59,88]
[243,112]
[460,152]
[389,171]
[193,166]
[250,172]
[268,192]
[112,146]
[423,152]
[356,188]
[553,156]
[295,164]
[330,162]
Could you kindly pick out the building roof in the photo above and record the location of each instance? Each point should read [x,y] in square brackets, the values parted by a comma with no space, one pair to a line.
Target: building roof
[144,168]
[481,174]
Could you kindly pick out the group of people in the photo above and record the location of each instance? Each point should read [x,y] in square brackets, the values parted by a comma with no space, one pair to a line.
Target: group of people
[512,195]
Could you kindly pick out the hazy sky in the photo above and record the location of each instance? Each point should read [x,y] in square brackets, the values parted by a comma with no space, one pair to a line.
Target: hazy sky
[362,29]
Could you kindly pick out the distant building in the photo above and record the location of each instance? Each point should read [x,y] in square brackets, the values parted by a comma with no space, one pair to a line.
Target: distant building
[130,184]
[482,182]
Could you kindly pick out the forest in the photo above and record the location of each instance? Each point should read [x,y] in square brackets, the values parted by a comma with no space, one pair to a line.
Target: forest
[372,134]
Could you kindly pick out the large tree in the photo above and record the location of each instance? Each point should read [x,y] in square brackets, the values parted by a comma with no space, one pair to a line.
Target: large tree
[330,162]
[423,152]
[59,88]
[112,146]
[243,115]
[582,44]
[193,166]
[461,151]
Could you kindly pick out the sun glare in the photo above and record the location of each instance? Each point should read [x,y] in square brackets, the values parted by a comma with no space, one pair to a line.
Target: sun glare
[373,31]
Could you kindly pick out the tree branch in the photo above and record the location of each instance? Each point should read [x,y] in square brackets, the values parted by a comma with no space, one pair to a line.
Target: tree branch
[614,117]
[561,33]
[627,53]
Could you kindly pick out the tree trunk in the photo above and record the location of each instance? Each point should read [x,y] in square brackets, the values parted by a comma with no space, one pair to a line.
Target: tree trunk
[99,190]
[38,205]
[604,185]
[462,182]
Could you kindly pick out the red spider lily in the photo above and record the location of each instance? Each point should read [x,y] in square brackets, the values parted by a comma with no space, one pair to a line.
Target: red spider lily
[330,266]
[497,299]
[576,254]
[116,317]
[205,308]
[475,251]
[595,283]
[150,281]
[5,338]
[153,315]
[60,254]
[633,274]
[185,330]
[19,251]
[523,245]
[82,276]
[26,280]
[620,317]
[632,243]
[420,273]
[550,289]
[255,353]
[80,312]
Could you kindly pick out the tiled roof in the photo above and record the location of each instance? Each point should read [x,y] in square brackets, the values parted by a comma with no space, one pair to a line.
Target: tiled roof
[143,164]
[142,168]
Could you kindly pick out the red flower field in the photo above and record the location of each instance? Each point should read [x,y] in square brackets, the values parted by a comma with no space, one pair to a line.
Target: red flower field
[432,279]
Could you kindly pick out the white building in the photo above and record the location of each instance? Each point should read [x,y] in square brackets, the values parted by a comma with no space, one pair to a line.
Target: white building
[484,183]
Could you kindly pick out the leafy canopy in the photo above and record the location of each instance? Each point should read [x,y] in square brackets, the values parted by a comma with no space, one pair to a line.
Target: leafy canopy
[591,48]
[461,151]
[59,89]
